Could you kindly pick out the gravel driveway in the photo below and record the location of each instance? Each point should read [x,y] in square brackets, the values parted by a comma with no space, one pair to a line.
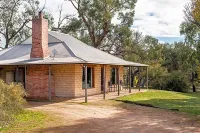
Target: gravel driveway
[114,117]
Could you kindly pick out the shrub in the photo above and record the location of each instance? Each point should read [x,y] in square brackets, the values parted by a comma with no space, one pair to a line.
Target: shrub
[177,81]
[161,79]
[11,101]
[157,76]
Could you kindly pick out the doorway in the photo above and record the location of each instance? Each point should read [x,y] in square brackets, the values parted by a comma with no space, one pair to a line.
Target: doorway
[20,78]
[102,78]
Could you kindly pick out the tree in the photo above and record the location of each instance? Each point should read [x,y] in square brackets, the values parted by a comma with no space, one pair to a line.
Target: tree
[50,19]
[191,33]
[62,19]
[192,12]
[192,37]
[96,21]
[14,20]
[154,50]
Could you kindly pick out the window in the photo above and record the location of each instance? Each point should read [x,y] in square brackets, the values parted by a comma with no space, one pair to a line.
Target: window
[114,75]
[9,77]
[90,77]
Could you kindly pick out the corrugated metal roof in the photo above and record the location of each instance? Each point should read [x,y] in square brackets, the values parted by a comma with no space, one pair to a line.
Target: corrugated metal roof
[51,39]
[23,51]
[70,50]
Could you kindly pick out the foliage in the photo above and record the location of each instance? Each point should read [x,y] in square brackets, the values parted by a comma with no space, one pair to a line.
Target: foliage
[174,81]
[180,56]
[184,102]
[157,75]
[177,81]
[50,19]
[11,101]
[191,33]
[192,12]
[124,43]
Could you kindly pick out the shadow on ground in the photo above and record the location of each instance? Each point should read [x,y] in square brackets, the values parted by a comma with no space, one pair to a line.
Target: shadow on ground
[127,122]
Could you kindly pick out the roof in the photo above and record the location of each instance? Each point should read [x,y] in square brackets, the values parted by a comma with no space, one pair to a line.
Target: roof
[70,50]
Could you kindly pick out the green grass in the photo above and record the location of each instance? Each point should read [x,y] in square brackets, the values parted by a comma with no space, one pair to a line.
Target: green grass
[27,121]
[184,102]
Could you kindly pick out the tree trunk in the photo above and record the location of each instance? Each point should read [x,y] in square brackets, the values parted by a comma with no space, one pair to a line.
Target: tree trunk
[193,88]
[7,43]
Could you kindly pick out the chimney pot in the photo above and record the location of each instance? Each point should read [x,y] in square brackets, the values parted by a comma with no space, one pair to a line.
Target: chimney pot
[41,15]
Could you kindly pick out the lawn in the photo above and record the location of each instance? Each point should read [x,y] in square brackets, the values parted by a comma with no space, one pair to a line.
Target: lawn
[184,102]
[27,121]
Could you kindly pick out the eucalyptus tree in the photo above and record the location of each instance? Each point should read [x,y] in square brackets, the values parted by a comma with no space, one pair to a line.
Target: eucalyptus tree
[192,12]
[96,18]
[15,18]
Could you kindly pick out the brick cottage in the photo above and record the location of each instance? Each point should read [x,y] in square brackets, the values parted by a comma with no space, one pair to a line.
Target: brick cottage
[51,64]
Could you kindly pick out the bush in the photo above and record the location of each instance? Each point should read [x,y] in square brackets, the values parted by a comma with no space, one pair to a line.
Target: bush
[177,81]
[11,101]
[157,75]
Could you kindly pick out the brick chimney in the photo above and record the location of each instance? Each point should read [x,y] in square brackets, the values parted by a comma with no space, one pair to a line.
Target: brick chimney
[40,47]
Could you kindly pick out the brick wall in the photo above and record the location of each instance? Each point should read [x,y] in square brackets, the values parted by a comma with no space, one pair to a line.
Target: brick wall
[37,82]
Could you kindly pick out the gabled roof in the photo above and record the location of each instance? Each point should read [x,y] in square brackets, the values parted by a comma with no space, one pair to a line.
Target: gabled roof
[70,50]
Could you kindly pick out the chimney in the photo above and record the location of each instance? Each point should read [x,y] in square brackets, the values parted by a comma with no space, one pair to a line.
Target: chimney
[40,47]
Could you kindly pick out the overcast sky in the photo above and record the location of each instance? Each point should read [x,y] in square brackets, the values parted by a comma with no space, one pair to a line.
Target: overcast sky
[158,18]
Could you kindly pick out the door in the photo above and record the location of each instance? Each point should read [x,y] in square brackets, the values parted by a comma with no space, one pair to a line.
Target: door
[21,76]
[102,79]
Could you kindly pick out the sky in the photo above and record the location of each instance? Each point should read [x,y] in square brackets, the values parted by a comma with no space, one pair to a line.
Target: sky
[160,18]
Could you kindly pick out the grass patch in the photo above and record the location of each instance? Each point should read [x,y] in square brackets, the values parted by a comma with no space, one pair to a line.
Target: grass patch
[184,102]
[27,121]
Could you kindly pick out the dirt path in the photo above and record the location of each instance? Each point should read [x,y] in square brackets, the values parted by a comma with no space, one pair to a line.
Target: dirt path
[114,117]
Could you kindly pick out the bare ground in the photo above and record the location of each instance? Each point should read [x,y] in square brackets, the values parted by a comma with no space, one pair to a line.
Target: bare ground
[113,117]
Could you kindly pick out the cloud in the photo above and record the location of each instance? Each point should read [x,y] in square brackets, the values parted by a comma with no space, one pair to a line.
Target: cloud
[159,18]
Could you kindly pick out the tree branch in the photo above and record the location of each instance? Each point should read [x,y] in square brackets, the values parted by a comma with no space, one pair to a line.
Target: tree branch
[15,33]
